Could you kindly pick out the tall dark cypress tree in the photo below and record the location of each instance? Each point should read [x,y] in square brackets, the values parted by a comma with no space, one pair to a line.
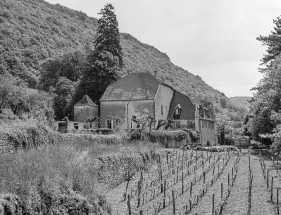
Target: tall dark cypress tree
[108,37]
[104,62]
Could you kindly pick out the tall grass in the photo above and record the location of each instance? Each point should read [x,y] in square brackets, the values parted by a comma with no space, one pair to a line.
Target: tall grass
[59,172]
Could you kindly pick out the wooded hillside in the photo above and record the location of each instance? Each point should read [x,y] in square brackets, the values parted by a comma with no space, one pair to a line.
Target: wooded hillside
[32,31]
[242,101]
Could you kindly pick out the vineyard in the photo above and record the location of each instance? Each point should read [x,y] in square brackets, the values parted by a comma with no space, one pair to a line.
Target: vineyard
[201,182]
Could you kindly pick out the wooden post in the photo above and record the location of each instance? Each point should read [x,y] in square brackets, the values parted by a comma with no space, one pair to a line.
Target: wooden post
[213,204]
[182,185]
[182,160]
[277,201]
[128,181]
[174,203]
[129,205]
[267,178]
[177,174]
[221,191]
[249,200]
[271,190]
[190,188]
[164,200]
[228,179]
[204,177]
[141,177]
[139,191]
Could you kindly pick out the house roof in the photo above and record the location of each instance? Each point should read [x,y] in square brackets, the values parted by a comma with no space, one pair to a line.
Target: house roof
[135,86]
[188,108]
[85,101]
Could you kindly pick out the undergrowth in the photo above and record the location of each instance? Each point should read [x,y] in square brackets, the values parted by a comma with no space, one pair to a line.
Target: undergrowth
[51,173]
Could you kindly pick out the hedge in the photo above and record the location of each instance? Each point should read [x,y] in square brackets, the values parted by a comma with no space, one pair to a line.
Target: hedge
[168,138]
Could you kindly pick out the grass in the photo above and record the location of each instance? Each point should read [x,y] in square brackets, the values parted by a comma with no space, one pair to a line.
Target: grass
[59,172]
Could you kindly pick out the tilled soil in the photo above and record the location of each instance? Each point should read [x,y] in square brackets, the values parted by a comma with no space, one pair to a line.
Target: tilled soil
[205,204]
[236,203]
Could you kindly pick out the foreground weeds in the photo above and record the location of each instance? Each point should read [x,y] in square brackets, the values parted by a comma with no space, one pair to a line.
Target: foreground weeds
[50,173]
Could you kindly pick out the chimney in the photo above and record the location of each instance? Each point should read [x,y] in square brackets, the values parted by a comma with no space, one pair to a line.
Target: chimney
[155,73]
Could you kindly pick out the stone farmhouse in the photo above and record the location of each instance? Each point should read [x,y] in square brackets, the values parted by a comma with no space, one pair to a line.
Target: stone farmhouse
[85,108]
[138,91]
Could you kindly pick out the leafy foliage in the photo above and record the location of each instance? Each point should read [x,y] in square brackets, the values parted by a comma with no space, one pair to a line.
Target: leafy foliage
[40,106]
[266,103]
[163,136]
[272,41]
[12,93]
[241,101]
[64,91]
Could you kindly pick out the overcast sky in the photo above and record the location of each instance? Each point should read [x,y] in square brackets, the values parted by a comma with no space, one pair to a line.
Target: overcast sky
[215,39]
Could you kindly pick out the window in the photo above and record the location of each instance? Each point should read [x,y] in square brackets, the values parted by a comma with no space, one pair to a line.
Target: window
[109,123]
[117,123]
[76,126]
[177,124]
[191,124]
[177,111]
[161,109]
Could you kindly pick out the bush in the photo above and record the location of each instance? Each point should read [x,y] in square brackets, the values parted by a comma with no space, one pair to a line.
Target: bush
[118,167]
[216,148]
[28,134]
[170,138]
[256,145]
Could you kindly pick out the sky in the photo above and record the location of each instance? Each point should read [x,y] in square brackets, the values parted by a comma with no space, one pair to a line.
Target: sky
[215,39]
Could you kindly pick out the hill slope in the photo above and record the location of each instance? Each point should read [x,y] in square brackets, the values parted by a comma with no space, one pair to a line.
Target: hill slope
[34,30]
[242,101]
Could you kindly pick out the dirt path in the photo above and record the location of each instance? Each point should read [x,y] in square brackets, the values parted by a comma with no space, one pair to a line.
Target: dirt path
[205,204]
[237,201]
[260,194]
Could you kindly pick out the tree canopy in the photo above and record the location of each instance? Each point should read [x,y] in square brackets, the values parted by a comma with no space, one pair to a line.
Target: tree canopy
[102,63]
[272,41]
[108,36]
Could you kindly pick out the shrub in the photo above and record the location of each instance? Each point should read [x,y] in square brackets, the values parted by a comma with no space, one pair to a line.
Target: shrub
[116,168]
[166,137]
[28,134]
